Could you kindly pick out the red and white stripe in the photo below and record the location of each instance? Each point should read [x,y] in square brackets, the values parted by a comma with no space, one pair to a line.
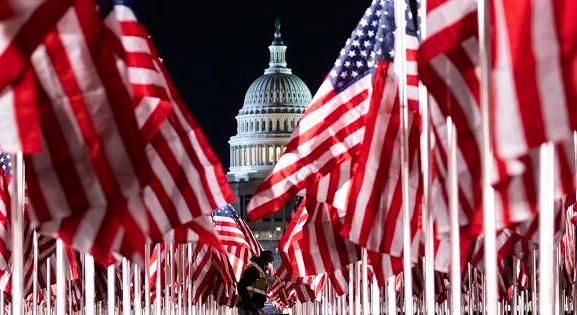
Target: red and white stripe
[188,180]
[329,132]
[533,74]
[448,65]
[375,194]
[238,245]
[23,25]
[86,184]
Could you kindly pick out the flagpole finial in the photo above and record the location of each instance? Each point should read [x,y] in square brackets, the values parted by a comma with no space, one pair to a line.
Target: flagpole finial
[277,34]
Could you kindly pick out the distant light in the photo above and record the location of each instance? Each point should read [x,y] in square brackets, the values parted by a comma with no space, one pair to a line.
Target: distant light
[256,235]
[278,228]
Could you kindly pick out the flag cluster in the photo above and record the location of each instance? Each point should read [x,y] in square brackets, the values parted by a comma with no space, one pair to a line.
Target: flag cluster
[345,155]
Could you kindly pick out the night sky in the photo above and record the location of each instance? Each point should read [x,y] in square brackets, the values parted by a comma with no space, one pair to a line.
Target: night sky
[215,49]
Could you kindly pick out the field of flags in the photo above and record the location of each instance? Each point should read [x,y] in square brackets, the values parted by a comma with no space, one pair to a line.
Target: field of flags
[435,169]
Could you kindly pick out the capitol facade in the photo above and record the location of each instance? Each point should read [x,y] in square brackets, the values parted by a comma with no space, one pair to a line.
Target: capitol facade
[273,104]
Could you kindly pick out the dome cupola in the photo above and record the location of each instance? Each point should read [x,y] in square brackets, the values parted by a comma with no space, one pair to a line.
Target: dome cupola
[273,104]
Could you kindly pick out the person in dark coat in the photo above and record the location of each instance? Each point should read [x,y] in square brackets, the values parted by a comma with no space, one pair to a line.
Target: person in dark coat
[253,284]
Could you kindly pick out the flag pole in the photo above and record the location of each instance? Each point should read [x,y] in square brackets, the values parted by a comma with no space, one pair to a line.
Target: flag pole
[489,218]
[391,295]
[515,299]
[147,279]
[429,259]
[357,288]
[89,284]
[158,284]
[137,298]
[365,282]
[48,288]
[125,287]
[17,229]
[546,228]
[110,289]
[60,279]
[454,219]
[35,274]
[400,63]
[375,297]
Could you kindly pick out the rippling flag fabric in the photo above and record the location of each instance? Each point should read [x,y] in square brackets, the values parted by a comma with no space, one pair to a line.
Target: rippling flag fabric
[332,128]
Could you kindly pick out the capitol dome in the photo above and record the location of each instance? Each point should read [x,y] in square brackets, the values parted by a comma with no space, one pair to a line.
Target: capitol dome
[273,104]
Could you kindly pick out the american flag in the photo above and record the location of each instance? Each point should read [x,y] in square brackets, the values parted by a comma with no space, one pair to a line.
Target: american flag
[25,24]
[376,188]
[5,179]
[87,182]
[131,170]
[449,66]
[333,126]
[188,179]
[533,75]
[236,237]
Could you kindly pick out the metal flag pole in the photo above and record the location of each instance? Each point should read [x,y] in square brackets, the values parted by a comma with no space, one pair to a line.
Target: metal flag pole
[515,298]
[351,293]
[401,63]
[35,274]
[375,297]
[147,279]
[546,227]
[60,279]
[158,275]
[391,295]
[110,289]
[125,287]
[137,297]
[365,281]
[454,219]
[48,295]
[89,284]
[489,218]
[17,230]
[357,287]
[188,277]
[534,281]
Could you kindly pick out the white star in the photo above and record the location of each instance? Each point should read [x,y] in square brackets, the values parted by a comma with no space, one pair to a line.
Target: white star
[378,12]
[354,74]
[347,64]
[359,64]
[371,33]
[356,43]
[364,53]
[352,53]
[370,63]
[374,23]
[364,22]
[367,43]
[338,62]
[344,74]
[333,73]
[359,32]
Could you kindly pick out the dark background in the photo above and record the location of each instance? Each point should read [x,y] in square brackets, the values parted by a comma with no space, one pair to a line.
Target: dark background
[215,49]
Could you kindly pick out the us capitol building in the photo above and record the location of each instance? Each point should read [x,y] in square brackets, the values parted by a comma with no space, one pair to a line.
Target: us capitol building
[273,104]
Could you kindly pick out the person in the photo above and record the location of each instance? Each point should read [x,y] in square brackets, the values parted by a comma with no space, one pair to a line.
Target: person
[253,284]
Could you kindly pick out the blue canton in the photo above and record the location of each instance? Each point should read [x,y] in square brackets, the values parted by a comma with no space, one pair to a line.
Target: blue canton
[5,164]
[226,211]
[371,41]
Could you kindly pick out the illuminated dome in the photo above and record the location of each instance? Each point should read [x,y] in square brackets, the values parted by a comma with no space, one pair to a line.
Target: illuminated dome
[273,104]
